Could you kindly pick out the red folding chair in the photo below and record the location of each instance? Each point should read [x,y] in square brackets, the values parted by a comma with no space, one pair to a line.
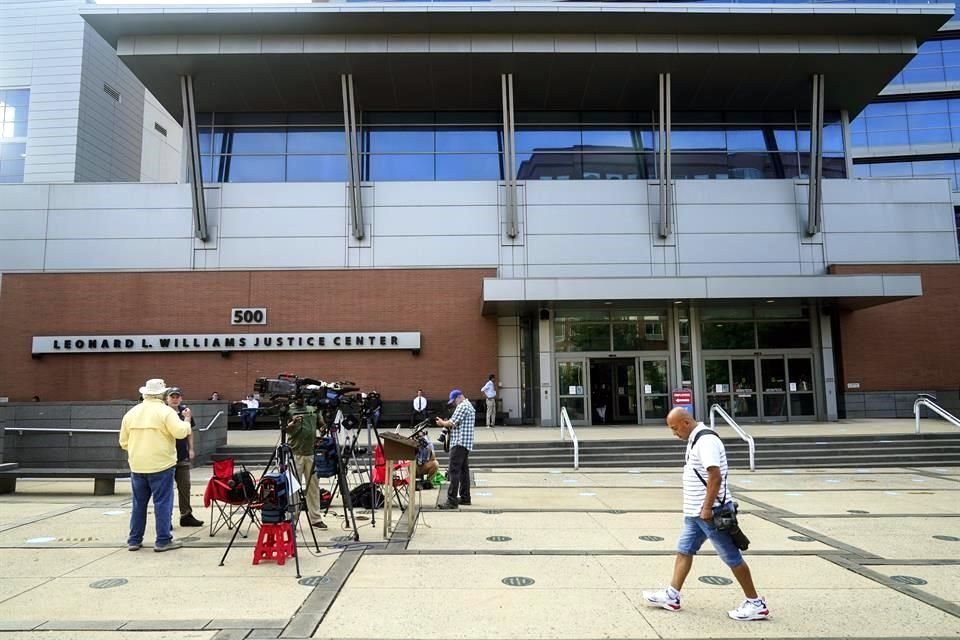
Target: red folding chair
[399,479]
[228,494]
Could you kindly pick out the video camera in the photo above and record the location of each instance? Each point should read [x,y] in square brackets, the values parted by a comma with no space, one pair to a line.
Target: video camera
[327,397]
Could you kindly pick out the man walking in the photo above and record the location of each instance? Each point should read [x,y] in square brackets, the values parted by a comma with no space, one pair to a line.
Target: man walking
[185,456]
[489,390]
[462,426]
[704,490]
[148,434]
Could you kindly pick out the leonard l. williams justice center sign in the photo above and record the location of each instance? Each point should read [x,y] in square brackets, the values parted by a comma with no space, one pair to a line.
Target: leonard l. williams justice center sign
[226,342]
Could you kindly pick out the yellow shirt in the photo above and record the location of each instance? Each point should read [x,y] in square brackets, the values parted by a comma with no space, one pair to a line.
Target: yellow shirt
[148,434]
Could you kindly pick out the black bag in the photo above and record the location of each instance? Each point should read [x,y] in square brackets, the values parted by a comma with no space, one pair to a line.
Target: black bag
[360,497]
[325,458]
[242,487]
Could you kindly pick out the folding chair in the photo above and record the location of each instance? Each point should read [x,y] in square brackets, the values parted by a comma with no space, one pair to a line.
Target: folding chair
[228,494]
[399,479]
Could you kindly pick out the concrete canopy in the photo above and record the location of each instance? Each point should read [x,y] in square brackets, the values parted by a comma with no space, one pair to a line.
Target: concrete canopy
[564,56]
[506,296]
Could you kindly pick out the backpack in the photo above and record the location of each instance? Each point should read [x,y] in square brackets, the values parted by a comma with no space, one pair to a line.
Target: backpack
[243,487]
[360,497]
[325,459]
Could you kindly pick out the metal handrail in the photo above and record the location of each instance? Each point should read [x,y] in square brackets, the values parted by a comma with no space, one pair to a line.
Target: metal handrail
[927,401]
[67,430]
[566,424]
[70,430]
[746,437]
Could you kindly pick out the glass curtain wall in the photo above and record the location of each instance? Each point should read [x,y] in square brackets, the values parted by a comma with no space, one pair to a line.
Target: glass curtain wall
[550,145]
[14,109]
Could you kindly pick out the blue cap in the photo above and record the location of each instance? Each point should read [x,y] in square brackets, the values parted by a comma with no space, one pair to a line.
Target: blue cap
[456,393]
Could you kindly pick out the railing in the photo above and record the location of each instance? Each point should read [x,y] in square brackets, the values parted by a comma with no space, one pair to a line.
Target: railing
[565,424]
[928,402]
[746,437]
[70,431]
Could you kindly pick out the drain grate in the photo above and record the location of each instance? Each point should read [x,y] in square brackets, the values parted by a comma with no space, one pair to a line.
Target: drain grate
[109,583]
[801,538]
[492,512]
[617,512]
[313,581]
[856,511]
[651,538]
[911,580]
[518,581]
[717,581]
[499,538]
[342,539]
[947,538]
[88,539]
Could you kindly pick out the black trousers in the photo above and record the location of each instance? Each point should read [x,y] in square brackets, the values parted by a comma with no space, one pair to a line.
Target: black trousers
[459,489]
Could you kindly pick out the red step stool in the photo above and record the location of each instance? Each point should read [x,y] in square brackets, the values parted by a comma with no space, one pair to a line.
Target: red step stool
[275,542]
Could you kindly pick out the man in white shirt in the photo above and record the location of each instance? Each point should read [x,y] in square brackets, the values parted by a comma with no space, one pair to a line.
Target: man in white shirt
[704,490]
[419,408]
[490,391]
[248,417]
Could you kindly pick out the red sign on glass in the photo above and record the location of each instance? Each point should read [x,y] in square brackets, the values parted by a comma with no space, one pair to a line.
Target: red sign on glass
[682,398]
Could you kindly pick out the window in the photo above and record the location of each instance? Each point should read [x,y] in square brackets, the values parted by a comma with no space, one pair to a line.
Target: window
[574,145]
[944,168]
[578,331]
[272,147]
[913,122]
[14,109]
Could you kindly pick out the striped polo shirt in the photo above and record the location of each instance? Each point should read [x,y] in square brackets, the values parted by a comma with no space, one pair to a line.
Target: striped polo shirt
[709,452]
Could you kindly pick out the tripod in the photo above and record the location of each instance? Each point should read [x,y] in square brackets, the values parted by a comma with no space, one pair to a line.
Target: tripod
[341,485]
[286,464]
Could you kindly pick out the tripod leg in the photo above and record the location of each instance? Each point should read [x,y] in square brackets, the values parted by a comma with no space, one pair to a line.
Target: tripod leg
[345,495]
[249,507]
[373,488]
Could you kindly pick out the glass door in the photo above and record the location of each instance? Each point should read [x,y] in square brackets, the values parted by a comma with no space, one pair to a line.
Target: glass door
[773,387]
[625,392]
[654,390]
[800,388]
[570,389]
[743,372]
[717,374]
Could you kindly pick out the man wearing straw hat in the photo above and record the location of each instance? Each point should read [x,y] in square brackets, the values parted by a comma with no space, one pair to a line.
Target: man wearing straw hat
[148,434]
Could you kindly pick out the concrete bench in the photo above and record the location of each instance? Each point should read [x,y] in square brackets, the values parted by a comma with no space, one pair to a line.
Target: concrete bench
[104,480]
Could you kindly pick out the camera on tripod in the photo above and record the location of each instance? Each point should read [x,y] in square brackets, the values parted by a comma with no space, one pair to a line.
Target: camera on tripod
[326,397]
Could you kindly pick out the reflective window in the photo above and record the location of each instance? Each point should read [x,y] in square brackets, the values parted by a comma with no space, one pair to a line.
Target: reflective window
[14,111]
[472,166]
[316,168]
[902,123]
[944,168]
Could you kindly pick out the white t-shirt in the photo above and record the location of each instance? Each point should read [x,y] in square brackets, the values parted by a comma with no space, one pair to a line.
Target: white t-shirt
[489,389]
[252,403]
[709,452]
[419,403]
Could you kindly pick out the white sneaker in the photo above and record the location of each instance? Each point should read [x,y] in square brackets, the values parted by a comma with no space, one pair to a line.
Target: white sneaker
[662,599]
[749,610]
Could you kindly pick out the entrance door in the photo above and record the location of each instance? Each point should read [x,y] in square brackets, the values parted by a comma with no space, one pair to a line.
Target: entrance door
[732,383]
[773,388]
[800,387]
[570,391]
[613,391]
[654,390]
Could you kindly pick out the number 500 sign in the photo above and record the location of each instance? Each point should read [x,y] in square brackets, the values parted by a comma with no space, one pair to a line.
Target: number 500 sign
[249,316]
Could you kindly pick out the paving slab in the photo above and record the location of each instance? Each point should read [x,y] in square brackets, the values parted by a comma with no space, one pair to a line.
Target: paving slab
[846,481]
[75,599]
[942,581]
[802,613]
[11,513]
[49,563]
[574,479]
[895,538]
[918,501]
[108,635]
[59,488]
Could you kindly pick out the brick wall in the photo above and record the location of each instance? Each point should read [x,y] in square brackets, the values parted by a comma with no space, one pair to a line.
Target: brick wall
[909,345]
[458,345]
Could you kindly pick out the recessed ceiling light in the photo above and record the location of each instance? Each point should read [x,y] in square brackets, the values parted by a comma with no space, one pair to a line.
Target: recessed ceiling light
[678,302]
[769,301]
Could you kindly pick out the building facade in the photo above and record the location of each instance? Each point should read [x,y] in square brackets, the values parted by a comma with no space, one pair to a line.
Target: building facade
[603,203]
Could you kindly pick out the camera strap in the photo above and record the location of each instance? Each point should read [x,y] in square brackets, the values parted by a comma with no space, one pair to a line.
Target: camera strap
[708,432]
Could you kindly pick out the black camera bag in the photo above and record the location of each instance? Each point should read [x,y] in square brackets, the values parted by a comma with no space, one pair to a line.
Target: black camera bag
[325,458]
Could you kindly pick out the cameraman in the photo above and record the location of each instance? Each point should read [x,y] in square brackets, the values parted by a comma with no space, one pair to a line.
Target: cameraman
[301,430]
[462,425]
[375,407]
[185,455]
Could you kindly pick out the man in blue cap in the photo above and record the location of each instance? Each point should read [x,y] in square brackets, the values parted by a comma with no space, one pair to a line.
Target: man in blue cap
[462,425]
